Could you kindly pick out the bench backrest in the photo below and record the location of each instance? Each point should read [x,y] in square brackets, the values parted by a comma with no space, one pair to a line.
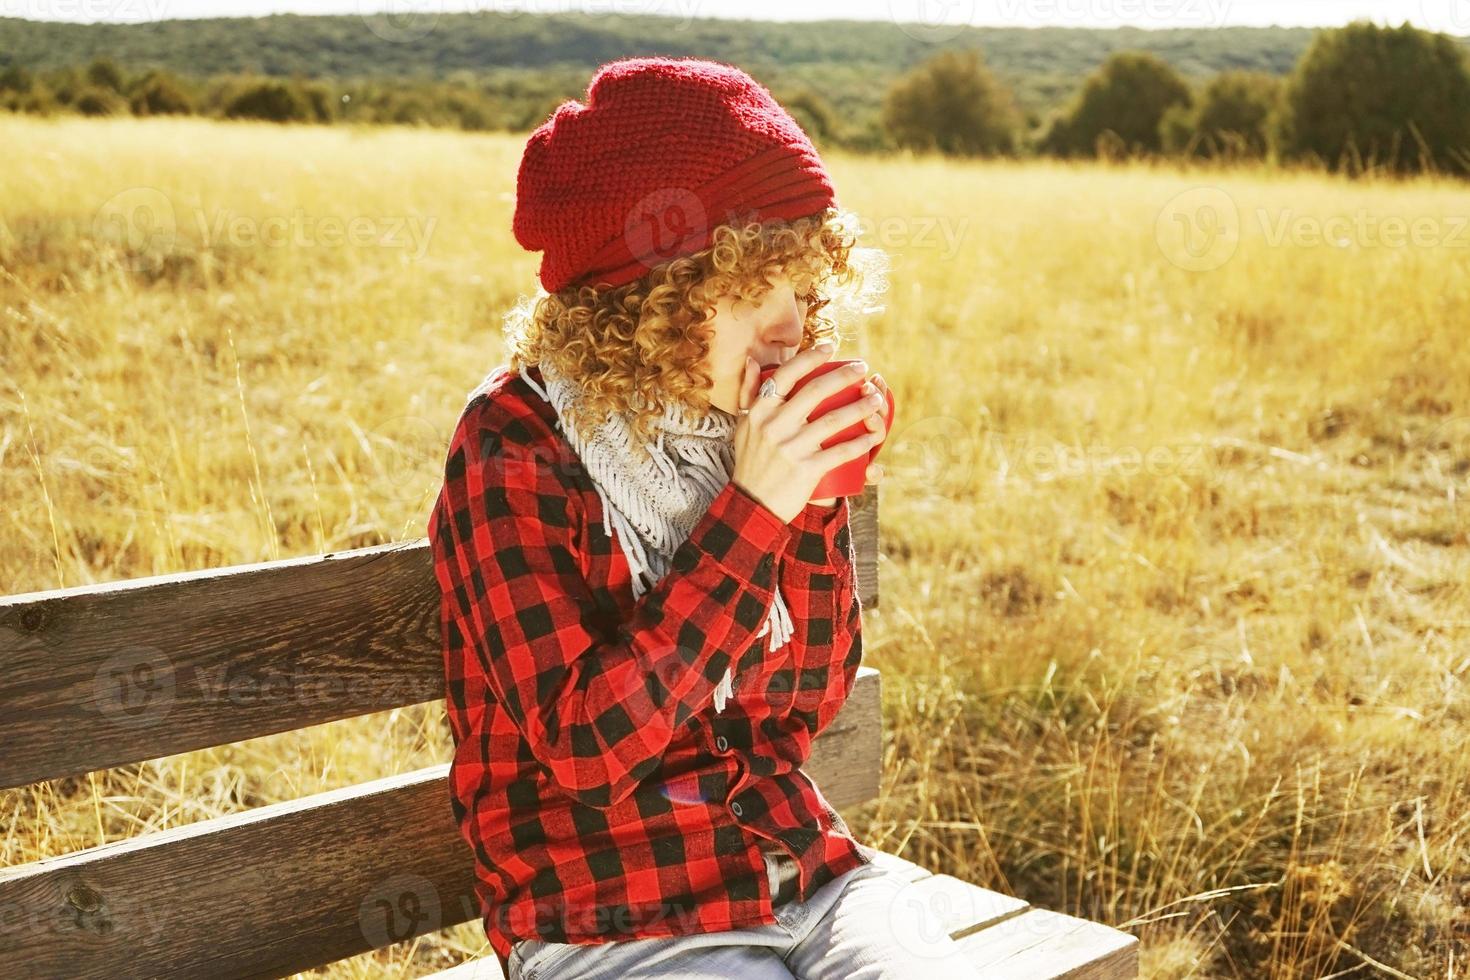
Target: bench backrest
[106,675]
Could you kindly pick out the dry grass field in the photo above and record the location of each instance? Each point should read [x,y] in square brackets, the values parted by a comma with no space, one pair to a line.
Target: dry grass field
[1174,624]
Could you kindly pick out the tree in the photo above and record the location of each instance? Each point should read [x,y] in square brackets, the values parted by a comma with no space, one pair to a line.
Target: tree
[1127,97]
[1364,95]
[99,101]
[158,93]
[813,114]
[952,103]
[104,73]
[16,79]
[273,101]
[321,106]
[1233,117]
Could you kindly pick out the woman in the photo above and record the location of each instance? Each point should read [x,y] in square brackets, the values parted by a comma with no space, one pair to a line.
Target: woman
[647,619]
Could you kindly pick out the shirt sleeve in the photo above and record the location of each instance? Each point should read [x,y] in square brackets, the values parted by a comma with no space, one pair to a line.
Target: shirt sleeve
[597,711]
[818,579]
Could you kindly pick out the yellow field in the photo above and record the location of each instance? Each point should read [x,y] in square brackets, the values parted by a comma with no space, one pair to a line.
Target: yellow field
[1174,621]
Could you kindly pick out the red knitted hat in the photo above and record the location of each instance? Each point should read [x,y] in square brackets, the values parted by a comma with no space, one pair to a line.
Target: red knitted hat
[664,150]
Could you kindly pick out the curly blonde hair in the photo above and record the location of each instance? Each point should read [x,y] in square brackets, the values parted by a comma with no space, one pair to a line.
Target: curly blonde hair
[648,338]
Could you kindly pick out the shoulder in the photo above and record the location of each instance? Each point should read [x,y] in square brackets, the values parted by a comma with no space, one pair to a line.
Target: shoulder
[507,421]
[506,400]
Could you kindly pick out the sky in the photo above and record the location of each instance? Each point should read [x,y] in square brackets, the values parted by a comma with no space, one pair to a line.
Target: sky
[932,16]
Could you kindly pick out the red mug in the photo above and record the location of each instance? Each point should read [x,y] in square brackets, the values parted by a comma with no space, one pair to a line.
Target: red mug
[849,478]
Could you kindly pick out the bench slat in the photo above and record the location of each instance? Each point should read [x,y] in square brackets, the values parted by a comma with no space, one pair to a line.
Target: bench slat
[1041,943]
[299,884]
[964,908]
[900,866]
[155,666]
[484,967]
[1003,936]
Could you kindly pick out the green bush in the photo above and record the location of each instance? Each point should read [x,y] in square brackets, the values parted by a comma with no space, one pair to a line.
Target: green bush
[813,113]
[1364,96]
[321,104]
[1232,119]
[104,73]
[1120,108]
[158,93]
[16,79]
[952,103]
[98,101]
[272,101]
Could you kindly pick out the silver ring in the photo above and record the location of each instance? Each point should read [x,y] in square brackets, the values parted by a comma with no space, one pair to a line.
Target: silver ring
[768,390]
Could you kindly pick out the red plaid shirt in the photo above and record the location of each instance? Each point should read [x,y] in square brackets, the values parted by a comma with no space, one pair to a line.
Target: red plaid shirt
[602,795]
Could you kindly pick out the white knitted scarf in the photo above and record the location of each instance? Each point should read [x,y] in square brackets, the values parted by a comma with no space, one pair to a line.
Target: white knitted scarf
[652,500]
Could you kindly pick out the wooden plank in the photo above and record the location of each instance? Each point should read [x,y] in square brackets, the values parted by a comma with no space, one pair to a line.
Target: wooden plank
[299,884]
[483,967]
[897,865]
[1041,943]
[1003,935]
[962,907]
[862,521]
[846,759]
[155,666]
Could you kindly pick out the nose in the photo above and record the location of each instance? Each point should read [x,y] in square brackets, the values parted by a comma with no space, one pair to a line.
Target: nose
[782,335]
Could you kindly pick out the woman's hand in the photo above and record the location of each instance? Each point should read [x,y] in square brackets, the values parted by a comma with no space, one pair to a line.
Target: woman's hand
[877,423]
[779,459]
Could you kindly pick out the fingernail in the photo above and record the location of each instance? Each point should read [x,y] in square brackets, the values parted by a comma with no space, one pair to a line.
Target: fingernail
[826,346]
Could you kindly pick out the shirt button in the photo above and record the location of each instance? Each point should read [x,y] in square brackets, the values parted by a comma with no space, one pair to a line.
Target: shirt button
[721,743]
[764,565]
[736,809]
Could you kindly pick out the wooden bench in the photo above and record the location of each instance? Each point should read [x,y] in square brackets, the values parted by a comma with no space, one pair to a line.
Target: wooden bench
[114,674]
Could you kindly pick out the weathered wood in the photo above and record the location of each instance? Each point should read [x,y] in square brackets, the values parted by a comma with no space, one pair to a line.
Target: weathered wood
[844,759]
[151,667]
[1003,936]
[485,967]
[964,908]
[899,866]
[1040,943]
[299,884]
[862,520]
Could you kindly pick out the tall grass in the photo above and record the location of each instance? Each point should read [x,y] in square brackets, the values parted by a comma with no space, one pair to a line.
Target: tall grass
[1173,620]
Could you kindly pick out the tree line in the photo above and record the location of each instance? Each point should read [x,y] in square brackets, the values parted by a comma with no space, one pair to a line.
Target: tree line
[1358,98]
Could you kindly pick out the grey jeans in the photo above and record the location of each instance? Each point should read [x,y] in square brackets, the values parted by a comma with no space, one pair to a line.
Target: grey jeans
[862,925]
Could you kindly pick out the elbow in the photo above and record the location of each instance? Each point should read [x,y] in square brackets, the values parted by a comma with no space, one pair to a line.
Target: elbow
[598,794]
[584,774]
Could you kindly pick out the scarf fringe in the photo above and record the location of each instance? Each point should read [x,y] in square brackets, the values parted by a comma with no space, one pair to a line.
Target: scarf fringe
[650,502]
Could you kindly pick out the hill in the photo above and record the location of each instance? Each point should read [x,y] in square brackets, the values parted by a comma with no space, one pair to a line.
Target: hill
[850,63]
